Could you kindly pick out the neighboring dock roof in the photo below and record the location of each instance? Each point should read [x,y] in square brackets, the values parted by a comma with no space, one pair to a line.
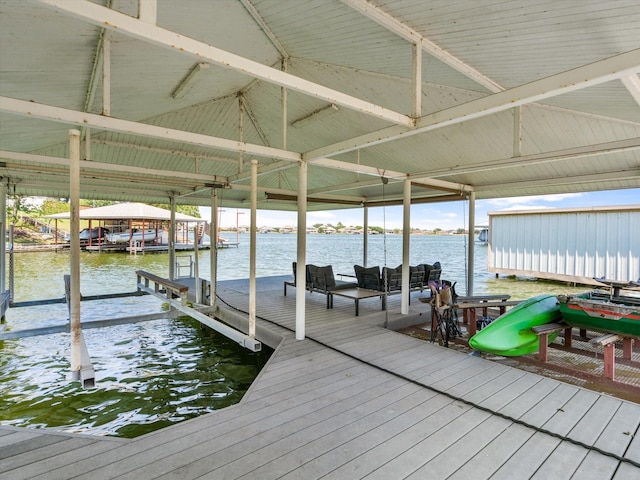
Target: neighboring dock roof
[125,211]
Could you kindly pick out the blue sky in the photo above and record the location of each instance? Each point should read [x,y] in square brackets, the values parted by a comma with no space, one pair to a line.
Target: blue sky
[447,216]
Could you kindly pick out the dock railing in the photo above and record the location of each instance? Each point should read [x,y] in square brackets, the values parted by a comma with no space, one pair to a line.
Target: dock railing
[161,285]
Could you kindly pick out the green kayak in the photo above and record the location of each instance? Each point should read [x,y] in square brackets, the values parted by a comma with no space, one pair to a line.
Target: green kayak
[510,334]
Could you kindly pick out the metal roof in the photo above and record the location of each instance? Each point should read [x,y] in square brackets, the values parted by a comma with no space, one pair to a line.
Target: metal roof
[503,98]
[125,211]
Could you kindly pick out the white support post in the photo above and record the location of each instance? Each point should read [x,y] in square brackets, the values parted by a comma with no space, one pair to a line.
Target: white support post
[252,249]
[517,131]
[240,133]
[196,269]
[81,368]
[148,11]
[74,297]
[172,238]
[3,241]
[365,234]
[106,75]
[417,80]
[213,234]
[301,257]
[406,237]
[472,221]
[285,127]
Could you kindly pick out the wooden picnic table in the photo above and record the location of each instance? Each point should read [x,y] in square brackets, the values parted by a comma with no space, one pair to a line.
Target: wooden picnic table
[469,304]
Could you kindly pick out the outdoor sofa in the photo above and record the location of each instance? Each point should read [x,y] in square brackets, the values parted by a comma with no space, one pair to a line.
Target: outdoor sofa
[320,279]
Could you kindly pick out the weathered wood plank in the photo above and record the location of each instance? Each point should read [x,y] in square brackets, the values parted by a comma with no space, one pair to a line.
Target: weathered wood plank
[315,412]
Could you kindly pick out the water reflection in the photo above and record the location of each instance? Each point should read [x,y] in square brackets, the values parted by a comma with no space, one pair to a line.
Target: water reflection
[150,375]
[153,374]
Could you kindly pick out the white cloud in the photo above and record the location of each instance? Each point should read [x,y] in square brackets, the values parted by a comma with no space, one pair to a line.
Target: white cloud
[531,201]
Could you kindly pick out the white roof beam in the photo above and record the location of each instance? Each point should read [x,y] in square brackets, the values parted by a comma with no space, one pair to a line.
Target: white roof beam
[265,28]
[538,158]
[280,191]
[623,175]
[612,68]
[94,166]
[410,35]
[367,170]
[632,83]
[63,115]
[125,25]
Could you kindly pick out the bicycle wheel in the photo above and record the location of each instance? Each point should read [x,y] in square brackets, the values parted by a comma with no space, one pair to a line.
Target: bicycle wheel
[444,327]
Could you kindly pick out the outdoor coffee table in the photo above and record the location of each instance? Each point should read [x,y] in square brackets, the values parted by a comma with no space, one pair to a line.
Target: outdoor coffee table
[358,294]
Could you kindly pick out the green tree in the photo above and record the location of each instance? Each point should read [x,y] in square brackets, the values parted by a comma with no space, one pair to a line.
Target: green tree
[18,205]
[52,206]
[191,210]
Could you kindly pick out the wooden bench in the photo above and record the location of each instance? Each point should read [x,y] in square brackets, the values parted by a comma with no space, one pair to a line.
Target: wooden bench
[608,341]
[543,332]
[161,285]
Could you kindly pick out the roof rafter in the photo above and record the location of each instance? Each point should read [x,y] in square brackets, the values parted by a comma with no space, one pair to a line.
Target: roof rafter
[537,158]
[63,115]
[632,83]
[153,34]
[409,34]
[612,68]
[178,177]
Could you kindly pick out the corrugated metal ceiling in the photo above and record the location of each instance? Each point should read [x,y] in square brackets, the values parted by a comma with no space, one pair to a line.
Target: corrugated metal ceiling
[580,140]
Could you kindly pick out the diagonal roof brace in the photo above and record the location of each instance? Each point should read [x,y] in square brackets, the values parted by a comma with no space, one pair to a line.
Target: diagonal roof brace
[608,69]
[126,25]
[410,35]
[57,114]
[390,174]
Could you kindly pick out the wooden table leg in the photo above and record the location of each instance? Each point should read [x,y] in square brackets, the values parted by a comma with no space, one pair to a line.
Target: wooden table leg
[543,348]
[568,335]
[610,361]
[627,348]
[472,321]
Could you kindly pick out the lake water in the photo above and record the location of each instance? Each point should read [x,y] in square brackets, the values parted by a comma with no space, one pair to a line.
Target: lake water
[153,374]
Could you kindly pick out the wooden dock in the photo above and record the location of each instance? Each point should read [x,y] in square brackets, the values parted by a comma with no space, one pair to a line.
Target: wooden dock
[355,400]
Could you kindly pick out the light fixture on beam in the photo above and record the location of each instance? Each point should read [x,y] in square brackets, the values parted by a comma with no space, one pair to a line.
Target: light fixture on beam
[317,115]
[294,198]
[190,80]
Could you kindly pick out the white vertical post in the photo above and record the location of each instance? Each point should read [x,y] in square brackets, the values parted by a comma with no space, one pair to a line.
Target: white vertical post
[3,241]
[517,131]
[472,221]
[365,234]
[406,236]
[213,234]
[417,81]
[240,132]
[148,11]
[301,257]
[106,75]
[252,249]
[172,238]
[74,295]
[196,268]
[283,92]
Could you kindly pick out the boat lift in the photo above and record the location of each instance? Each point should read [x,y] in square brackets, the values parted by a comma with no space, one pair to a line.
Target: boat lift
[169,290]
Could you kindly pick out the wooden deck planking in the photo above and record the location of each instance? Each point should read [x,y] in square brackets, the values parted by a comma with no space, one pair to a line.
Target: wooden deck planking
[314,411]
[304,440]
[237,444]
